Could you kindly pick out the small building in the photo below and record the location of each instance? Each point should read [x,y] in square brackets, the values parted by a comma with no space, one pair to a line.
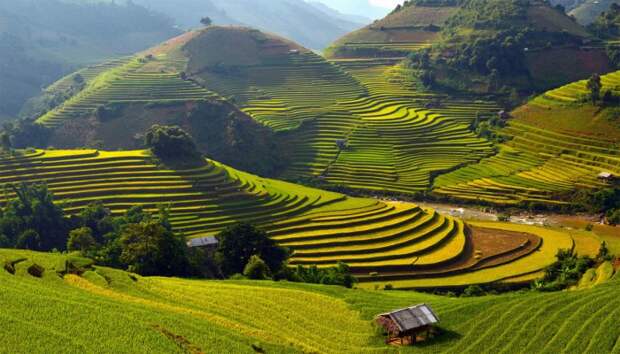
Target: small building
[405,325]
[607,176]
[210,242]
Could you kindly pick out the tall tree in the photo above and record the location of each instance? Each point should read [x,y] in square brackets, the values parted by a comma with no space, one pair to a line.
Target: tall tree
[594,85]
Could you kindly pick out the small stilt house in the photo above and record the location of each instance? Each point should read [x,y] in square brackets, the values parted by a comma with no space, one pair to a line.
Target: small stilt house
[407,324]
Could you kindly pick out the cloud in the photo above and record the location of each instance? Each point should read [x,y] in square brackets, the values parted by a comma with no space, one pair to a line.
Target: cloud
[388,4]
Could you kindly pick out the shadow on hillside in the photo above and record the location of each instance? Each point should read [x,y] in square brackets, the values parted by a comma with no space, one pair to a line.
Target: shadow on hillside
[442,336]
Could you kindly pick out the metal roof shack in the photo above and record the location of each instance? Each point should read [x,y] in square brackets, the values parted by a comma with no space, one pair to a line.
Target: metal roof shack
[406,324]
[607,176]
[209,241]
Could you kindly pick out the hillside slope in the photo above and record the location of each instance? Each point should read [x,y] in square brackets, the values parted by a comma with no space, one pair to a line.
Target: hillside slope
[406,244]
[395,136]
[42,43]
[481,46]
[58,314]
[313,104]
[308,102]
[556,143]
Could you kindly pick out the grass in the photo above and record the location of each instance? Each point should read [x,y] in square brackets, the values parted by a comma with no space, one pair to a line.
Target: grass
[77,315]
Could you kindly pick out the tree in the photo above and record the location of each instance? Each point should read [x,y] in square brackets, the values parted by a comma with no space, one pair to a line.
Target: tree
[206,21]
[257,269]
[98,219]
[171,143]
[237,244]
[33,209]
[81,240]
[603,253]
[149,248]
[594,86]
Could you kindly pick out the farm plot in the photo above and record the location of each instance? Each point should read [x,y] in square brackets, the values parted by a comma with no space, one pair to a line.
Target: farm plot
[534,166]
[321,228]
[178,315]
[137,80]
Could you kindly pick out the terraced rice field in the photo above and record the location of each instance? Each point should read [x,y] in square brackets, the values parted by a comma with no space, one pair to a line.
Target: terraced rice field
[394,143]
[396,240]
[179,316]
[126,81]
[576,91]
[538,165]
[385,49]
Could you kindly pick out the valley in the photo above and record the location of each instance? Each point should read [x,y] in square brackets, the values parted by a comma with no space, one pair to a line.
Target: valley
[232,190]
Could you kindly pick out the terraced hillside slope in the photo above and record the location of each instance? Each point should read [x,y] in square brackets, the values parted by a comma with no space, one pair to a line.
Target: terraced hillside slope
[361,123]
[392,138]
[557,142]
[382,241]
[396,138]
[179,316]
[482,46]
[151,77]
[411,28]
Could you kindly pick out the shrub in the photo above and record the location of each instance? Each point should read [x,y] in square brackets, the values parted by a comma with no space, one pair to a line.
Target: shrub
[256,269]
[81,240]
[473,290]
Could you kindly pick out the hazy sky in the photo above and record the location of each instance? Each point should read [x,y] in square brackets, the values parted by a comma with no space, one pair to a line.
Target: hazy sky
[389,4]
[367,8]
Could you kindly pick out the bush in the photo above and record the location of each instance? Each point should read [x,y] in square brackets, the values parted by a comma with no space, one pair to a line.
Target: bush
[256,269]
[473,290]
[81,240]
[339,275]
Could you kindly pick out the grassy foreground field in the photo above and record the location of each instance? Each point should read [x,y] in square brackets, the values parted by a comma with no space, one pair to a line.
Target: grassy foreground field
[382,241]
[105,310]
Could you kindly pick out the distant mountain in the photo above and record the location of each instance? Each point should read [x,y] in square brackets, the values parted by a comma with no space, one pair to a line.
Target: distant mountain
[338,14]
[43,40]
[589,10]
[585,11]
[482,46]
[363,8]
[312,25]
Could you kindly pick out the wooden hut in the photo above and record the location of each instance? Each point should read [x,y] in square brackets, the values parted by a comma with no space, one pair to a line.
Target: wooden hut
[405,325]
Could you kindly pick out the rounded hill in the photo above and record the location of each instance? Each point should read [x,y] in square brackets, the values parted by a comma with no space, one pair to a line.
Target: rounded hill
[482,46]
